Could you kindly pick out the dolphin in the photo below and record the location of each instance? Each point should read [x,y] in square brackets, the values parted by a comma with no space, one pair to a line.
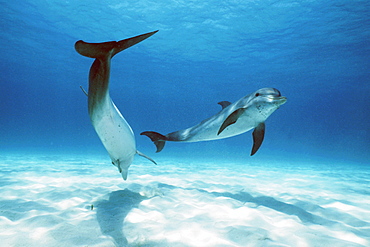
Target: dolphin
[113,130]
[250,112]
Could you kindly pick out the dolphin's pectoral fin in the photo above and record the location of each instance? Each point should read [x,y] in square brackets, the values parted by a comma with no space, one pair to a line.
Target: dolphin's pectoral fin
[158,139]
[231,119]
[124,171]
[145,156]
[118,166]
[258,135]
[224,104]
[84,91]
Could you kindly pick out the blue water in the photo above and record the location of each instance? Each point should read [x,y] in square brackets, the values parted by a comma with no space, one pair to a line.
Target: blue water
[315,52]
[308,185]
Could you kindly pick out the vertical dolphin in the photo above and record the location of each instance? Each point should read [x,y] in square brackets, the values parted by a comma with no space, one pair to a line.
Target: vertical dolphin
[113,130]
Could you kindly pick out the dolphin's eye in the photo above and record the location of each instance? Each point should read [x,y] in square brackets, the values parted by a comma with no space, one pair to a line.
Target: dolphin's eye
[257,94]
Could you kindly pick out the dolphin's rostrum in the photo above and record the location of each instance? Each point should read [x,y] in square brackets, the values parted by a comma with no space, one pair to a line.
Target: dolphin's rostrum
[250,112]
[112,129]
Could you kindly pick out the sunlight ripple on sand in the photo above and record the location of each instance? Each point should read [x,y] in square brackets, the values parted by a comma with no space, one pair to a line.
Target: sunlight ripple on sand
[79,202]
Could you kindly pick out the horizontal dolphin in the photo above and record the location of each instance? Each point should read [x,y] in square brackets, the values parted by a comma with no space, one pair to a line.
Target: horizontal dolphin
[250,112]
[113,130]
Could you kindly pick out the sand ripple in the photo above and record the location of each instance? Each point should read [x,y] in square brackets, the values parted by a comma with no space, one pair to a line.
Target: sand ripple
[63,201]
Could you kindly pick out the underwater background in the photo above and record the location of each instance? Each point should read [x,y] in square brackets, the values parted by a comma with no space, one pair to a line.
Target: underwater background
[316,53]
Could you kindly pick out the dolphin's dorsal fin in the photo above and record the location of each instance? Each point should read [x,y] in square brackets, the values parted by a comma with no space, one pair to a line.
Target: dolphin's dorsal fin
[258,135]
[145,156]
[224,104]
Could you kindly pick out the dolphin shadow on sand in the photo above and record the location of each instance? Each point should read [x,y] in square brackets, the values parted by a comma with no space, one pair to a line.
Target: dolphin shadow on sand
[283,207]
[307,212]
[111,213]
[265,201]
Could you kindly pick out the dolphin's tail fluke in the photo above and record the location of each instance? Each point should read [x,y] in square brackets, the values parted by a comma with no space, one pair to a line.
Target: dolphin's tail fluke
[96,50]
[158,139]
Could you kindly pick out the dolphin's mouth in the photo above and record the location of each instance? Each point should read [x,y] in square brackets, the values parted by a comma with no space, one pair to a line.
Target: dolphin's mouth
[282,99]
[277,99]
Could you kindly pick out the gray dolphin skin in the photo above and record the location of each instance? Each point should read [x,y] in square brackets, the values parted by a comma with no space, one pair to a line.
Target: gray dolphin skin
[113,130]
[250,112]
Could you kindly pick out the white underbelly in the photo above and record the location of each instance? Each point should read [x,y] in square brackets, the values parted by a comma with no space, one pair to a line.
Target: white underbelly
[115,134]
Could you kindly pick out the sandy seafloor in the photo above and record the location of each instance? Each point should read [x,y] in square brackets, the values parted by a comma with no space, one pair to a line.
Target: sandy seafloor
[69,201]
